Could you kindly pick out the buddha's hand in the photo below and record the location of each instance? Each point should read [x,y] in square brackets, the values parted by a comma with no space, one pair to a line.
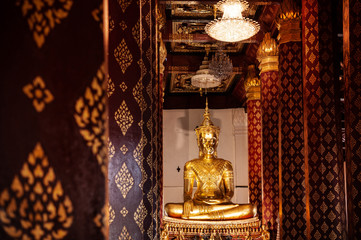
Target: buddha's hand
[187,208]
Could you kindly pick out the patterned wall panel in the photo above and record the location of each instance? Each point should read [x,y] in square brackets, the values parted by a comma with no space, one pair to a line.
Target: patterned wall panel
[352,69]
[52,141]
[322,123]
[270,147]
[133,121]
[293,198]
[255,154]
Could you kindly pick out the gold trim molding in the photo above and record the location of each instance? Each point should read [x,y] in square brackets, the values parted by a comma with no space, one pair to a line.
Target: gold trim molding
[252,84]
[267,54]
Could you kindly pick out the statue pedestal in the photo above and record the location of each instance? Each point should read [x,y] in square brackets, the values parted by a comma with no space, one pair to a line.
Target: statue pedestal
[233,229]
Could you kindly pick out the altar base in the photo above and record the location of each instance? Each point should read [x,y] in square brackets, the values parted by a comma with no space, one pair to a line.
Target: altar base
[245,229]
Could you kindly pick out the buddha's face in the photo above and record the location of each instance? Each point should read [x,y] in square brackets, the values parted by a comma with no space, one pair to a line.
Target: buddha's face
[208,143]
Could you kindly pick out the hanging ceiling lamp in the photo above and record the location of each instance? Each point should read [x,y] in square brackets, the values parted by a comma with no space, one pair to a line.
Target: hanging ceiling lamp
[204,77]
[220,65]
[232,27]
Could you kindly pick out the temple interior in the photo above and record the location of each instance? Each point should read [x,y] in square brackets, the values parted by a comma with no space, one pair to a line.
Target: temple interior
[105,120]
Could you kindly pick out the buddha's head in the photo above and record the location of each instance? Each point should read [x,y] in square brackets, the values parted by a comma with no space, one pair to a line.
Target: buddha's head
[207,136]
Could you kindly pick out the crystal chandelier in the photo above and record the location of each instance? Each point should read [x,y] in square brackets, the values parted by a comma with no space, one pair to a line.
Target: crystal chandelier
[232,27]
[221,66]
[204,77]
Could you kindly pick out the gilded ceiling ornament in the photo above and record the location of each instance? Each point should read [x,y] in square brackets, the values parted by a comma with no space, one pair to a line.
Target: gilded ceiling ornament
[43,15]
[111,87]
[124,180]
[267,54]
[124,212]
[123,117]
[38,93]
[123,56]
[140,215]
[90,116]
[124,4]
[123,86]
[35,206]
[125,235]
[289,22]
[139,33]
[252,84]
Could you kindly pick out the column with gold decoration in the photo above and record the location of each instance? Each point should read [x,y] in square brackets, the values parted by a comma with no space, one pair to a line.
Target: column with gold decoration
[267,55]
[252,86]
[292,187]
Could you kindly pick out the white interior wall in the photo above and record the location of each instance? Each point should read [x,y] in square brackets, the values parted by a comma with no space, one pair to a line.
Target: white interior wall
[180,146]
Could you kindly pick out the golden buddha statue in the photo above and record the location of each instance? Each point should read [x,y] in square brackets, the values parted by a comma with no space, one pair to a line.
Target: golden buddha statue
[214,178]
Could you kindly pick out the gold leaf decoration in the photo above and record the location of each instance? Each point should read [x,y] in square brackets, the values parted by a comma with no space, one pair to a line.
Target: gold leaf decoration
[111,87]
[111,24]
[123,55]
[139,34]
[90,116]
[100,220]
[111,214]
[124,180]
[123,87]
[124,149]
[111,149]
[38,92]
[123,117]
[122,25]
[98,15]
[124,212]
[35,206]
[143,69]
[125,235]
[140,215]
[148,18]
[124,4]
[138,95]
[43,15]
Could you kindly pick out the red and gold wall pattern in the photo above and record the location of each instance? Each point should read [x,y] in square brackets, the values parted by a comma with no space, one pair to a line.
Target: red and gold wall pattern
[52,142]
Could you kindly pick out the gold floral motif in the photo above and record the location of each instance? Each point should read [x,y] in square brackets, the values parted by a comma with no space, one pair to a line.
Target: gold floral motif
[38,92]
[35,206]
[124,212]
[124,180]
[124,118]
[43,15]
[123,86]
[137,35]
[138,95]
[101,221]
[125,235]
[111,24]
[111,214]
[98,15]
[122,25]
[138,151]
[149,54]
[90,115]
[140,215]
[123,55]
[111,87]
[124,4]
[124,149]
[111,149]
[148,18]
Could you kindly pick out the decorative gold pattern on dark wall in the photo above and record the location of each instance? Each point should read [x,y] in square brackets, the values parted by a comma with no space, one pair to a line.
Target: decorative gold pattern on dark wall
[293,198]
[352,69]
[52,186]
[322,123]
[255,154]
[133,121]
[270,147]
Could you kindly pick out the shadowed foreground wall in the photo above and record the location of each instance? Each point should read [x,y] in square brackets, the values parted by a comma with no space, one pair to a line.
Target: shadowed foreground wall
[52,120]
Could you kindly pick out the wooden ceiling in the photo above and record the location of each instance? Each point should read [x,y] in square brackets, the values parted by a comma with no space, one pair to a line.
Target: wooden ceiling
[186,42]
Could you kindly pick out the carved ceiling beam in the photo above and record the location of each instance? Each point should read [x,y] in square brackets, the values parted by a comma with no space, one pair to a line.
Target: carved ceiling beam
[255,2]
